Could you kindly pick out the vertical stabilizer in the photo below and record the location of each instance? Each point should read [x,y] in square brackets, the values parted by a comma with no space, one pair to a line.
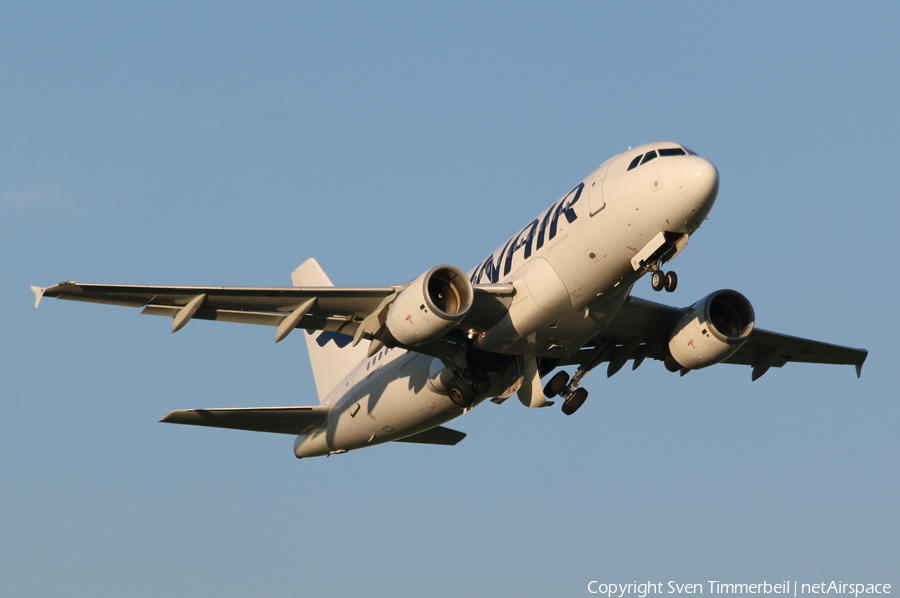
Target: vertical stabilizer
[331,354]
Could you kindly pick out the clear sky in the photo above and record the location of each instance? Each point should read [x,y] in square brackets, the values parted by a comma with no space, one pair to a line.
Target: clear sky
[223,143]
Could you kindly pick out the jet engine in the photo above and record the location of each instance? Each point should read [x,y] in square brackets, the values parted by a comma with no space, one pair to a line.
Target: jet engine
[428,307]
[712,330]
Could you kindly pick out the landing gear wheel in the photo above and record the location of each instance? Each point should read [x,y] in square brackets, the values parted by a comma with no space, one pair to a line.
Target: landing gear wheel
[460,393]
[658,280]
[556,384]
[574,401]
[671,281]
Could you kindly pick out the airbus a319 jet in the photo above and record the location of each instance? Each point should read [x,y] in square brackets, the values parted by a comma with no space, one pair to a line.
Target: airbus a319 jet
[394,363]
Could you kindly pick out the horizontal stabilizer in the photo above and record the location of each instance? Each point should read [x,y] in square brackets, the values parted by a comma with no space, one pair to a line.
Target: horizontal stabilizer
[279,420]
[438,435]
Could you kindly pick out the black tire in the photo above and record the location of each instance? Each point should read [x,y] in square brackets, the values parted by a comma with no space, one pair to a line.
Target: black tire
[556,384]
[460,393]
[658,280]
[671,281]
[574,401]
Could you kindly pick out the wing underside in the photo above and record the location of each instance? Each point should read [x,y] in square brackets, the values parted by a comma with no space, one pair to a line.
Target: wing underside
[640,330]
[331,309]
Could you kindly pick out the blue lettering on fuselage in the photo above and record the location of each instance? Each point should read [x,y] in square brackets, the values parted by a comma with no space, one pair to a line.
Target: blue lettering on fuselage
[565,207]
[490,269]
[523,239]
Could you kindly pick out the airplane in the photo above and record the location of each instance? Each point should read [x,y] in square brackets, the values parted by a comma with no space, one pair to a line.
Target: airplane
[395,363]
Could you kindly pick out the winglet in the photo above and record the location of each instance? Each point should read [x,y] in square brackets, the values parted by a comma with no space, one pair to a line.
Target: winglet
[859,363]
[38,294]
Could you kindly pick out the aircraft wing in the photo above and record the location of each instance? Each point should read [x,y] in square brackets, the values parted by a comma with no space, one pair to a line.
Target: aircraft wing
[333,309]
[640,327]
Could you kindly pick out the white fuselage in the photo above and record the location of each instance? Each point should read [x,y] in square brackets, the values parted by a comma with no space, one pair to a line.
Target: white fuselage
[571,267]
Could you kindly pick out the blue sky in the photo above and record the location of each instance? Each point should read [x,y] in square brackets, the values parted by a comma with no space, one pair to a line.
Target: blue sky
[224,143]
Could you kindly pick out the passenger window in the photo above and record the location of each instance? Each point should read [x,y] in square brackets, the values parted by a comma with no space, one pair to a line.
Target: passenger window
[672,151]
[635,162]
[649,156]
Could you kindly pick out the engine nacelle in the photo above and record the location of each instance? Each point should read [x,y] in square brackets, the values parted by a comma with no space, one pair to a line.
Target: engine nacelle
[429,307]
[712,330]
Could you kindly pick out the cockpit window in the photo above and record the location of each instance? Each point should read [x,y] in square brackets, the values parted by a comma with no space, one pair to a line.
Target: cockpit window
[690,151]
[663,152]
[649,156]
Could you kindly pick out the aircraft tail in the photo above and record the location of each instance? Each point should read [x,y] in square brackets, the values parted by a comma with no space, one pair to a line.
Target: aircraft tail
[331,355]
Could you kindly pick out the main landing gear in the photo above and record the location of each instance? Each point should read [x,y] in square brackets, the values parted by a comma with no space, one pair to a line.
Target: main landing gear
[461,393]
[560,385]
[463,388]
[660,280]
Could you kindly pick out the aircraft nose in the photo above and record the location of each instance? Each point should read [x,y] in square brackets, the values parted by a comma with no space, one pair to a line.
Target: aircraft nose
[697,179]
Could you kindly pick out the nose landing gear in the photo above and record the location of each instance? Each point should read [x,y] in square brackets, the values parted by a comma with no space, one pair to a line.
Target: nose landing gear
[660,280]
[660,250]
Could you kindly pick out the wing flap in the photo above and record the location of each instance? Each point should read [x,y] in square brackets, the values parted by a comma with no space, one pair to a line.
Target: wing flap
[278,420]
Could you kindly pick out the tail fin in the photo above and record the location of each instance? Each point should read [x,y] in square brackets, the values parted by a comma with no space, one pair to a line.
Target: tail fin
[330,353]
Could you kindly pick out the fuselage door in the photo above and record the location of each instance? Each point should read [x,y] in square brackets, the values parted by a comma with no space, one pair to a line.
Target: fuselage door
[595,189]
